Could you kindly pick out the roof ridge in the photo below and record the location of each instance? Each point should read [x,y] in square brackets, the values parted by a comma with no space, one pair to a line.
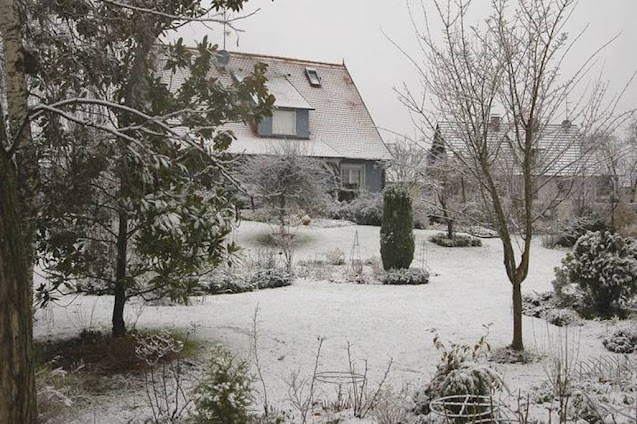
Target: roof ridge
[275,57]
[288,59]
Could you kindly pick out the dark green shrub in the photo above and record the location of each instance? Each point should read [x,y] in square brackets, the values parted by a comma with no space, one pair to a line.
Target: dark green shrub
[579,226]
[603,267]
[458,240]
[396,231]
[410,276]
[623,340]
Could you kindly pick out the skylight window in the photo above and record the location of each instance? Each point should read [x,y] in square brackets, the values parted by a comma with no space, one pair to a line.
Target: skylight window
[313,77]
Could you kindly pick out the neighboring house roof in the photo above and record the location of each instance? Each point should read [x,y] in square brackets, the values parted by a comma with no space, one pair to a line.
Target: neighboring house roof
[340,124]
[560,149]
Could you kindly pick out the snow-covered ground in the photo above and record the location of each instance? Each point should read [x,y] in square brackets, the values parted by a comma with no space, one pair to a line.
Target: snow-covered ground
[469,291]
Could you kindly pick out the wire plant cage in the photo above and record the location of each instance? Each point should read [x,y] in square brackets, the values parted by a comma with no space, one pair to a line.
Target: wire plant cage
[469,409]
[606,369]
[356,262]
[340,377]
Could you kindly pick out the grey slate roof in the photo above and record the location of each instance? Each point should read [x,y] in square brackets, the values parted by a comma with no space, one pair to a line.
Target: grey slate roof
[340,123]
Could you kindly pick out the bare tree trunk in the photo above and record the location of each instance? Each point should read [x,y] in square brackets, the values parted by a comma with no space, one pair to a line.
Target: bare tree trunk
[17,377]
[517,317]
[449,227]
[119,326]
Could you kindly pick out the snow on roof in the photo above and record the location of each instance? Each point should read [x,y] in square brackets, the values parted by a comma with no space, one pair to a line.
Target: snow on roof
[287,96]
[560,148]
[340,123]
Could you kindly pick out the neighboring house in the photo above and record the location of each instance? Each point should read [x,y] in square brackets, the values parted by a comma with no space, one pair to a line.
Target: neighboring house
[569,169]
[318,109]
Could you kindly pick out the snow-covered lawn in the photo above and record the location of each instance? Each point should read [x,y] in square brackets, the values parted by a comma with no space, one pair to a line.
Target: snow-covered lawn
[469,291]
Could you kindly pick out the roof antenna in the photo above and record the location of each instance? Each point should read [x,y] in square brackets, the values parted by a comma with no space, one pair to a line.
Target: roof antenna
[225,25]
[567,110]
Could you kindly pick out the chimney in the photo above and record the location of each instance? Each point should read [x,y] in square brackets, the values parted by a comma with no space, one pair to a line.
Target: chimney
[495,123]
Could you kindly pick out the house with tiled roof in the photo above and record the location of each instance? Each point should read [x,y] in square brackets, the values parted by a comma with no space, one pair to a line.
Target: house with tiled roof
[567,166]
[318,108]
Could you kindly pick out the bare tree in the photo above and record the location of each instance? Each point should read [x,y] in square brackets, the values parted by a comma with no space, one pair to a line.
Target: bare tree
[445,184]
[287,178]
[619,161]
[408,164]
[511,62]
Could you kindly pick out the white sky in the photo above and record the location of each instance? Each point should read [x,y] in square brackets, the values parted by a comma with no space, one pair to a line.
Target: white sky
[351,30]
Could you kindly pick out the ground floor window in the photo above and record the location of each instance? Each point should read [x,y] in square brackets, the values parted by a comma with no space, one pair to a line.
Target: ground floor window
[352,176]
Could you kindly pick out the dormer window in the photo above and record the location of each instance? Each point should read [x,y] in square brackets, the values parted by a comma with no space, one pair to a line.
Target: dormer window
[283,122]
[313,77]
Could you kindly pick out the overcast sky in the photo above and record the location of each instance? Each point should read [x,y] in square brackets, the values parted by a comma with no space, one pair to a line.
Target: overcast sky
[352,30]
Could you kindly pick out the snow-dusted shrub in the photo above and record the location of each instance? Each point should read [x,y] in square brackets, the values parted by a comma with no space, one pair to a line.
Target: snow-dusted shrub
[579,226]
[458,240]
[225,391]
[335,257]
[270,278]
[562,317]
[462,371]
[623,340]
[396,232]
[225,282]
[603,266]
[546,306]
[228,282]
[537,304]
[366,209]
[482,232]
[566,293]
[409,276]
[583,406]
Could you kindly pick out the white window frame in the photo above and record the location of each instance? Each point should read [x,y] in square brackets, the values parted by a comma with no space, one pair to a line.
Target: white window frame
[313,77]
[353,167]
[282,129]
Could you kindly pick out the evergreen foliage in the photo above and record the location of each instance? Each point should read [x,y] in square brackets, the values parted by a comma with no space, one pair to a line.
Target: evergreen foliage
[135,198]
[396,231]
[458,240]
[225,392]
[603,267]
[410,276]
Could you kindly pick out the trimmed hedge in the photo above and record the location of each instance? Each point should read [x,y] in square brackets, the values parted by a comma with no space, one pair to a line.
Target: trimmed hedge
[410,276]
[458,240]
[230,283]
[396,232]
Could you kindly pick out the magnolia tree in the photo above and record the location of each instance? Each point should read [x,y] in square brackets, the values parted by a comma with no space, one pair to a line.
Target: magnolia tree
[144,219]
[139,206]
[511,63]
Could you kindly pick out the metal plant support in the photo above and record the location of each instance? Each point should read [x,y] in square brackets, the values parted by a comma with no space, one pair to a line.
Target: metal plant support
[356,263]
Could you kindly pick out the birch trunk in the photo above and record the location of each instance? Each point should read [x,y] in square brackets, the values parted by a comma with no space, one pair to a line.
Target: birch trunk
[17,205]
